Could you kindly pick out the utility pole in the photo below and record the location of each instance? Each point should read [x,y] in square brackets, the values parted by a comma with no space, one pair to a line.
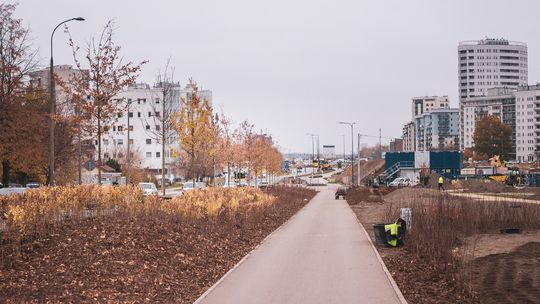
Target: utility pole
[351,124]
[380,146]
[318,157]
[343,135]
[79,148]
[359,176]
[313,148]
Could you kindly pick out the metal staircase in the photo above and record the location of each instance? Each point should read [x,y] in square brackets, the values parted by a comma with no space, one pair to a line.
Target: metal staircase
[390,172]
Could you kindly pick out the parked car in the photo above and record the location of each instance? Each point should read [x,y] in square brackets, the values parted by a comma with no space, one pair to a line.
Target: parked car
[189,185]
[242,184]
[14,185]
[400,182]
[229,185]
[167,182]
[8,191]
[33,185]
[148,189]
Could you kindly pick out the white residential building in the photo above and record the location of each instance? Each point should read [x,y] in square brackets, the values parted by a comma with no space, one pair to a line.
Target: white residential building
[426,104]
[527,123]
[489,63]
[499,102]
[144,127]
[420,106]
[485,64]
[409,142]
[437,130]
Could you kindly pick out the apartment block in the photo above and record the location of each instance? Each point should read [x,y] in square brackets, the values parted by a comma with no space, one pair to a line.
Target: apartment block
[438,130]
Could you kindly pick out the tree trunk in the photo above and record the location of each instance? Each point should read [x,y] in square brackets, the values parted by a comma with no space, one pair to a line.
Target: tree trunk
[163,152]
[99,151]
[5,173]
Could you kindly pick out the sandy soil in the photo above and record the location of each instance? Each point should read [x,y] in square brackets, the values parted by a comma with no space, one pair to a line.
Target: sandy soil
[488,244]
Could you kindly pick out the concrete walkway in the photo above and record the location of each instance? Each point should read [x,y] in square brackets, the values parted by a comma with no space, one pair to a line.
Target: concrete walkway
[322,255]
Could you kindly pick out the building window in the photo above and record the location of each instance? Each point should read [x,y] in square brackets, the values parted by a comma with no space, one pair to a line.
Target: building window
[120,128]
[131,128]
[158,154]
[119,114]
[148,141]
[148,154]
[114,128]
[157,100]
[138,114]
[147,127]
[130,114]
[120,141]
[157,114]
[158,127]
[149,114]
[105,141]
[131,141]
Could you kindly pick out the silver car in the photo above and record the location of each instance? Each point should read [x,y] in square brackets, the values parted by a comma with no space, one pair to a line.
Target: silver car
[148,189]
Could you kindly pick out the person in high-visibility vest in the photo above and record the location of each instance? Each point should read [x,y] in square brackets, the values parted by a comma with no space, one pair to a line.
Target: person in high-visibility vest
[441,183]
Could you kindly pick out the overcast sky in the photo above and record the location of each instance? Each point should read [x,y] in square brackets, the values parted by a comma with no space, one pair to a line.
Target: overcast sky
[297,67]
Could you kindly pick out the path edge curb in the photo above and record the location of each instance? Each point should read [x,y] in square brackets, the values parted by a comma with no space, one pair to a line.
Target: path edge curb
[209,290]
[383,265]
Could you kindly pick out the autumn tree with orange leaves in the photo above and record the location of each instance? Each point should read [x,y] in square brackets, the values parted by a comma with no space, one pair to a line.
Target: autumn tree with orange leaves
[93,91]
[193,127]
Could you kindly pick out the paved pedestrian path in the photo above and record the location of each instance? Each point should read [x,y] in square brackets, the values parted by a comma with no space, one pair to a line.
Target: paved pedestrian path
[322,255]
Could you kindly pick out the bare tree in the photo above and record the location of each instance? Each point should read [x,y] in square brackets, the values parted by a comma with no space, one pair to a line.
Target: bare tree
[17,59]
[163,109]
[107,76]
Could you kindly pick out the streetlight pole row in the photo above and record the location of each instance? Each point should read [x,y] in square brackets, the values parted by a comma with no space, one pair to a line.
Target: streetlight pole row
[52,105]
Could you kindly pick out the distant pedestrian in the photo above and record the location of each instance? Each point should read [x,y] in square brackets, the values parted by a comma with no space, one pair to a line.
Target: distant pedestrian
[441,183]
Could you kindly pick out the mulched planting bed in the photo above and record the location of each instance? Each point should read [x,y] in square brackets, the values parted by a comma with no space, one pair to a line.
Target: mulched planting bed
[156,259]
[512,277]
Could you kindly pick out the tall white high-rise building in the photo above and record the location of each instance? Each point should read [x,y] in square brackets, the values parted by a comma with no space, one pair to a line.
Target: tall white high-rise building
[485,64]
[490,63]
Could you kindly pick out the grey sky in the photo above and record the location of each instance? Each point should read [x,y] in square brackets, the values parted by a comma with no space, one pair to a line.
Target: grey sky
[292,67]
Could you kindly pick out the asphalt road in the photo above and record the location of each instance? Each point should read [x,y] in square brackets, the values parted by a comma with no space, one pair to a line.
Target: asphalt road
[322,255]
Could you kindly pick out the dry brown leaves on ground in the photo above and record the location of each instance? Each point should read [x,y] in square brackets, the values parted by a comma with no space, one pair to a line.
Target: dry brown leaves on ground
[157,259]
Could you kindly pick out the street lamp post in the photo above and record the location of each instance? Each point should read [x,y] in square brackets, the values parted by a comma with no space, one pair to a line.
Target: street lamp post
[52,105]
[343,135]
[318,157]
[351,124]
[313,149]
[128,156]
